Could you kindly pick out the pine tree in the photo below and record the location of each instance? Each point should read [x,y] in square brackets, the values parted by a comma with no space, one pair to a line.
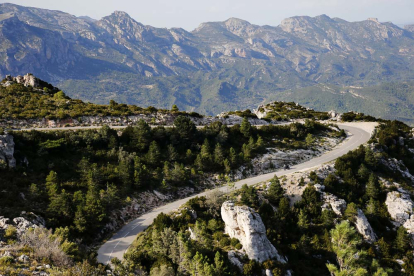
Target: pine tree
[219,264]
[303,222]
[372,187]
[246,152]
[363,172]
[154,154]
[172,153]
[402,240]
[275,191]
[166,171]
[141,136]
[205,151]
[246,127]
[384,248]
[227,166]
[345,242]
[233,157]
[218,155]
[52,184]
[370,159]
[351,211]
[284,207]
[372,207]
[309,139]
[251,143]
[259,143]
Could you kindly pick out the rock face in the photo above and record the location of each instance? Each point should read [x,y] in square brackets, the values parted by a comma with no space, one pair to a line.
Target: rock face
[400,206]
[397,166]
[26,80]
[7,150]
[244,224]
[364,228]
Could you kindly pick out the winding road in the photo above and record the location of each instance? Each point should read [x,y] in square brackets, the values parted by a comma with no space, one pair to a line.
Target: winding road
[358,134]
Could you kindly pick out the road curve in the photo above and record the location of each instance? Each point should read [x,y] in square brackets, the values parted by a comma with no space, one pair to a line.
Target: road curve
[358,134]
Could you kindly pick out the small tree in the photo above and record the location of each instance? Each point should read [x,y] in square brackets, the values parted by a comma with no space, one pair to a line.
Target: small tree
[351,211]
[372,188]
[310,139]
[303,222]
[402,240]
[275,192]
[246,127]
[344,244]
[174,108]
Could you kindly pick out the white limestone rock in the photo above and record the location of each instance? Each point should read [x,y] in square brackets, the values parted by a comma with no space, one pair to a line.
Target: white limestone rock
[234,258]
[364,227]
[409,225]
[400,206]
[397,166]
[338,205]
[361,222]
[244,224]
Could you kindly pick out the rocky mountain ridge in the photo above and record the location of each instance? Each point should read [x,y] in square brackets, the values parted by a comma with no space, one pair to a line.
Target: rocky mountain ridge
[218,66]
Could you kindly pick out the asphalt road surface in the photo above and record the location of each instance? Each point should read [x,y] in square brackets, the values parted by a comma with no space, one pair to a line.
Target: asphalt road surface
[358,134]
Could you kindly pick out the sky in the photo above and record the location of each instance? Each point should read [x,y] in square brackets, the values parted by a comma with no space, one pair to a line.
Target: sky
[188,14]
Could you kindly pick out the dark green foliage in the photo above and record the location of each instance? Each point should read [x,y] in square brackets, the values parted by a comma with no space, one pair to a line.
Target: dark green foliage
[402,241]
[275,191]
[249,196]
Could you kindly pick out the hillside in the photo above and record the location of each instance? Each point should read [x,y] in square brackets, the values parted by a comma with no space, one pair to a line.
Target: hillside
[352,216]
[217,67]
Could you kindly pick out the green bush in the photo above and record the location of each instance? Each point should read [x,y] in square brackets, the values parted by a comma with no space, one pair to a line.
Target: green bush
[11,232]
[6,260]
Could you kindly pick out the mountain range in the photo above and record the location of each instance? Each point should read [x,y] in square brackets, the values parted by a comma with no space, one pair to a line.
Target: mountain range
[321,62]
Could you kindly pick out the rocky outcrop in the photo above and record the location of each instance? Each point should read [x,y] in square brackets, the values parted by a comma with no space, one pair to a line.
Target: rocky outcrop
[361,222]
[26,80]
[397,166]
[334,115]
[338,205]
[400,206]
[7,150]
[364,227]
[22,223]
[244,224]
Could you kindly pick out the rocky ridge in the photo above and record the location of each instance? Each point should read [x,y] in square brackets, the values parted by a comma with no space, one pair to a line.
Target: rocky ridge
[301,52]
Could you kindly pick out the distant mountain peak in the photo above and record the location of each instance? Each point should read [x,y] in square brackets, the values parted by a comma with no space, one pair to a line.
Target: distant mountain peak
[121,14]
[236,21]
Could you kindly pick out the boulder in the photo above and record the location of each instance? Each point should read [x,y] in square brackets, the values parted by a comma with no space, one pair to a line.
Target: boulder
[400,206]
[234,259]
[338,205]
[409,225]
[23,258]
[244,224]
[364,228]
